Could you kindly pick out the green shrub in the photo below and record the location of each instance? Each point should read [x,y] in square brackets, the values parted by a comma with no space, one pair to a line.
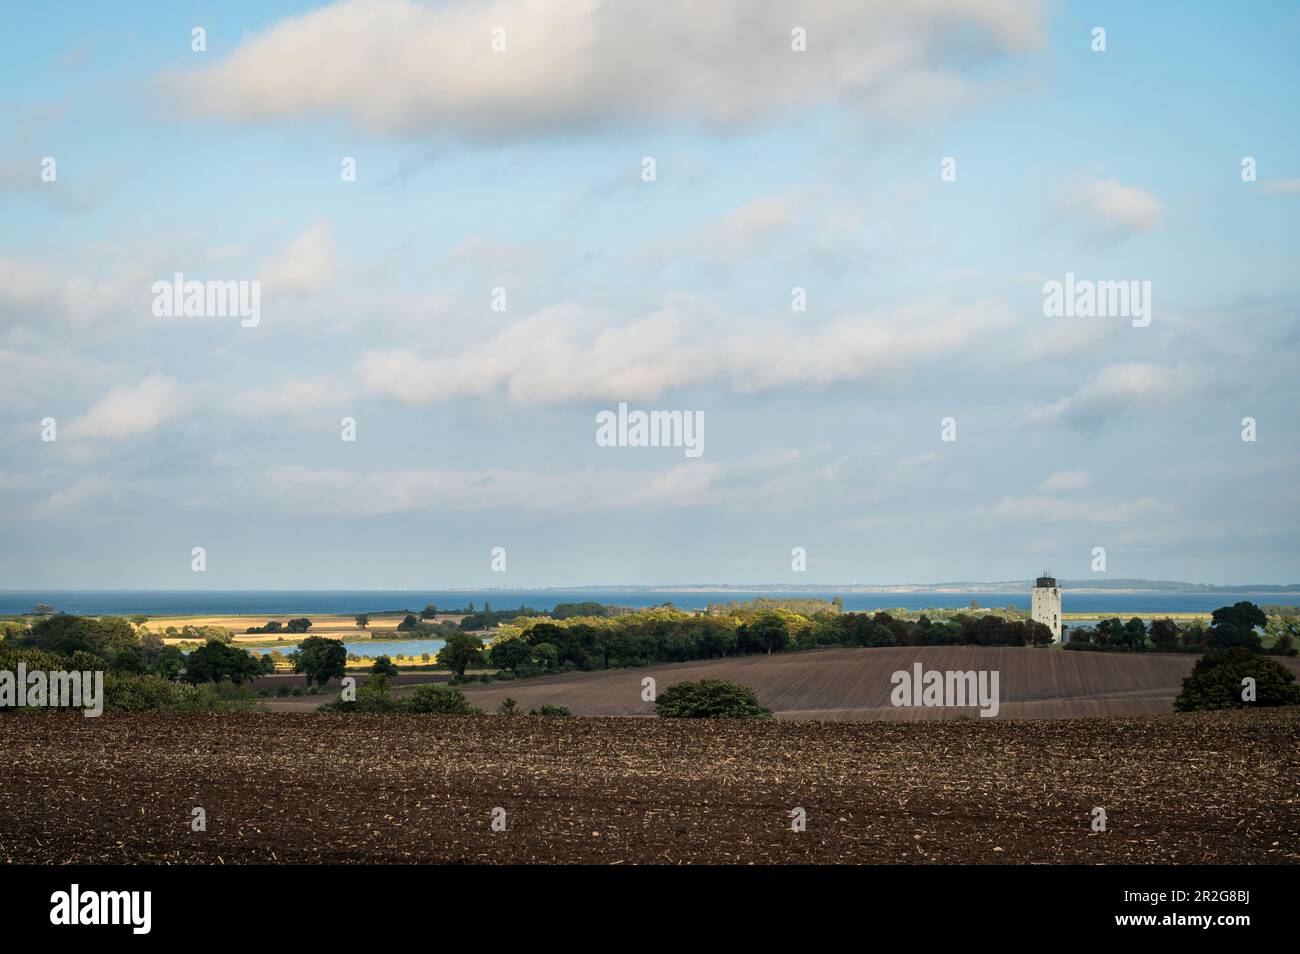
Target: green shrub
[132,692]
[383,666]
[710,699]
[550,710]
[1216,682]
[440,700]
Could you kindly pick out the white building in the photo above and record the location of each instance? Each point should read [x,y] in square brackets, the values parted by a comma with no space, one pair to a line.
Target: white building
[1045,605]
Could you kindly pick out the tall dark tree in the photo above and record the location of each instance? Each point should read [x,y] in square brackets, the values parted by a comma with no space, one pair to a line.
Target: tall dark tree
[215,661]
[1235,626]
[320,659]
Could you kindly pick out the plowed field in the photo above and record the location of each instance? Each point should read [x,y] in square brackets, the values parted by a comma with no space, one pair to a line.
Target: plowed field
[1216,787]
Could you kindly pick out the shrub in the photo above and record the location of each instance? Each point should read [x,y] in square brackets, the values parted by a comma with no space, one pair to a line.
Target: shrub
[383,666]
[550,710]
[132,692]
[1216,682]
[440,700]
[372,697]
[508,707]
[710,699]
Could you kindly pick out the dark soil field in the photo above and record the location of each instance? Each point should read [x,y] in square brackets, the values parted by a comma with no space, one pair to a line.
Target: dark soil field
[1207,787]
[855,683]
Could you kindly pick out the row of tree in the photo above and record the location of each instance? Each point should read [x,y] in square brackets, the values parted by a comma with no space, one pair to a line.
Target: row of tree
[1236,626]
[670,635]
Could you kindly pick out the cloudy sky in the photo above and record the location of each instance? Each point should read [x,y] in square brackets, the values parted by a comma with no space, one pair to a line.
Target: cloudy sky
[517,176]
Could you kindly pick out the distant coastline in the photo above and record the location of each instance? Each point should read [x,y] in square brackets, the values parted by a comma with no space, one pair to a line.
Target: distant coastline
[1109,601]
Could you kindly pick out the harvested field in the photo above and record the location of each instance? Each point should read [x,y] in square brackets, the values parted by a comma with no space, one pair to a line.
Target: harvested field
[855,683]
[1205,787]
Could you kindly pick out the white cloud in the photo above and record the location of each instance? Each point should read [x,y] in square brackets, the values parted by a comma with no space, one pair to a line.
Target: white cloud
[1125,208]
[1115,391]
[346,493]
[565,354]
[1067,480]
[87,488]
[396,66]
[129,410]
[1283,186]
[305,265]
[292,396]
[749,225]
[1058,509]
[1106,212]
[29,289]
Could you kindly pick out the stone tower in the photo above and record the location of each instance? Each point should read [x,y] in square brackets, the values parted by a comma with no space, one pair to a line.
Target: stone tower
[1045,605]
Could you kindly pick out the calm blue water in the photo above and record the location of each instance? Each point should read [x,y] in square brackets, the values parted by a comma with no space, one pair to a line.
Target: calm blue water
[299,602]
[370,650]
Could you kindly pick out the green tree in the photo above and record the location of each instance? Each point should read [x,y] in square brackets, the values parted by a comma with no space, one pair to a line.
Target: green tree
[362,621]
[710,699]
[1131,636]
[215,661]
[408,622]
[511,654]
[767,633]
[384,666]
[429,612]
[1164,634]
[320,659]
[1216,682]
[1284,630]
[461,651]
[1235,626]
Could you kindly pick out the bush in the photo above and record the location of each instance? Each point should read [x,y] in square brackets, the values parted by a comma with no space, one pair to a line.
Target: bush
[710,699]
[383,666]
[1215,682]
[440,700]
[550,710]
[130,692]
[372,697]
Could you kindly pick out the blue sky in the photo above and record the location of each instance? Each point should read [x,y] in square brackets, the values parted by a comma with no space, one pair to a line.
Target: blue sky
[521,169]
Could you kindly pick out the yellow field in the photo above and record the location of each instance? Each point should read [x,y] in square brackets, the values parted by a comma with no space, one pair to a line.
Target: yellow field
[336,627]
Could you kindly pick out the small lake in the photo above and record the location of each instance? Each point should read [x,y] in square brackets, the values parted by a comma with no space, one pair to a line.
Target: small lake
[372,648]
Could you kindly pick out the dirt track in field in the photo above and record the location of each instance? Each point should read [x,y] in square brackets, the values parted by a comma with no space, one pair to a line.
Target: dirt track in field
[855,683]
[1210,787]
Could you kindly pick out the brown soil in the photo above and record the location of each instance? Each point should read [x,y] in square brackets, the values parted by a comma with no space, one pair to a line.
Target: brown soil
[855,683]
[1211,787]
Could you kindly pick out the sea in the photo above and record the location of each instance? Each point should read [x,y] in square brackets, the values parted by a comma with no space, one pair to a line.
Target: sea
[337,602]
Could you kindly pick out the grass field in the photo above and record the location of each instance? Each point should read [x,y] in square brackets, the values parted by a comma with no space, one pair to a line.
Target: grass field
[1204,787]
